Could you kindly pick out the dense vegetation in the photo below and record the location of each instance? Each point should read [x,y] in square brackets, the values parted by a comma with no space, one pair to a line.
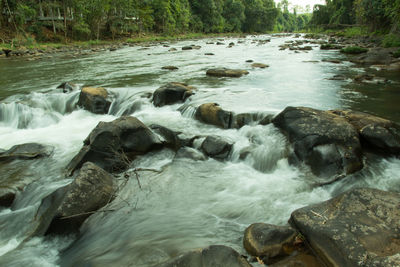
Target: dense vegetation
[94,19]
[382,15]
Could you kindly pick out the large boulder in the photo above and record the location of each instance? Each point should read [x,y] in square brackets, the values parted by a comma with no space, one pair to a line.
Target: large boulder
[172,93]
[383,56]
[377,134]
[112,145]
[328,143]
[212,113]
[357,228]
[64,210]
[171,138]
[216,147]
[269,241]
[92,189]
[26,151]
[224,72]
[212,256]
[94,99]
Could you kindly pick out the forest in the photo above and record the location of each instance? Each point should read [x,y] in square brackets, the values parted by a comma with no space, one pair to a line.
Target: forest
[60,20]
[97,19]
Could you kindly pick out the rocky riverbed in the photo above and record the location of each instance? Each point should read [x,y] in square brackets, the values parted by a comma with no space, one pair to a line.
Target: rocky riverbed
[162,170]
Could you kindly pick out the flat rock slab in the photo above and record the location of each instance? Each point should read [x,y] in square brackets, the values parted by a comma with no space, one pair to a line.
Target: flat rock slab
[360,227]
[213,256]
[223,72]
[26,151]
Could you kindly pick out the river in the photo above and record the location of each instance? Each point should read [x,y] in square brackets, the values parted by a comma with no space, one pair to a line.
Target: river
[189,204]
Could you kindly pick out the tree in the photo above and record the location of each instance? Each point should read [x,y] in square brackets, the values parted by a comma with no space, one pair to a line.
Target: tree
[233,14]
[260,15]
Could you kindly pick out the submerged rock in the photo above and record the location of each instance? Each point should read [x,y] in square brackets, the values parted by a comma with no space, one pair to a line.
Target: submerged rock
[357,228]
[259,65]
[26,151]
[216,147]
[191,47]
[224,72]
[269,241]
[94,99]
[68,87]
[66,209]
[212,113]
[112,145]
[329,144]
[212,256]
[169,68]
[172,93]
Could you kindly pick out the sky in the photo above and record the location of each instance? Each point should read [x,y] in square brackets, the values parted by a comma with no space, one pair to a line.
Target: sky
[304,2]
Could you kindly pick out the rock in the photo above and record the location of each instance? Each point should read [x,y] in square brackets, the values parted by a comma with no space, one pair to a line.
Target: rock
[223,72]
[26,151]
[330,46]
[299,260]
[216,147]
[209,54]
[169,138]
[173,49]
[375,56]
[113,49]
[169,68]
[357,228]
[231,44]
[112,145]
[338,77]
[191,47]
[269,241]
[172,93]
[7,196]
[91,190]
[68,87]
[328,143]
[259,65]
[335,61]
[240,120]
[190,153]
[94,99]
[212,256]
[212,113]
[249,61]
[220,43]
[7,52]
[377,134]
[364,77]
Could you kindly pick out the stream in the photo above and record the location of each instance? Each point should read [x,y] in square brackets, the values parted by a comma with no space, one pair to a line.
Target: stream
[188,204]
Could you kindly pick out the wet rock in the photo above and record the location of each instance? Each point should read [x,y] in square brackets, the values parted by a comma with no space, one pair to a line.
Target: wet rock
[68,87]
[334,61]
[191,47]
[240,120]
[220,43]
[364,77]
[267,119]
[249,61]
[91,190]
[172,93]
[169,68]
[216,147]
[212,113]
[173,49]
[190,153]
[299,260]
[209,54]
[224,72]
[212,256]
[391,67]
[112,145]
[94,99]
[26,151]
[328,143]
[7,196]
[330,46]
[354,50]
[357,228]
[231,44]
[259,65]
[377,134]
[338,77]
[169,137]
[269,241]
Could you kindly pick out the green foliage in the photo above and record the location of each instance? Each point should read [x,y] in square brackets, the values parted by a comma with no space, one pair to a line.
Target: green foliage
[354,50]
[391,40]
[397,53]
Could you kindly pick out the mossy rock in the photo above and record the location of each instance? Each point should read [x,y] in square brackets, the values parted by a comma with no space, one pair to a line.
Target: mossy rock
[354,50]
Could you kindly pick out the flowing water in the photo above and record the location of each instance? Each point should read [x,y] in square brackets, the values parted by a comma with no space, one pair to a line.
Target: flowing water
[189,204]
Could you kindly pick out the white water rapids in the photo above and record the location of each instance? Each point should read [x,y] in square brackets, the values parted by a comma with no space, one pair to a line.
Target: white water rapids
[190,204]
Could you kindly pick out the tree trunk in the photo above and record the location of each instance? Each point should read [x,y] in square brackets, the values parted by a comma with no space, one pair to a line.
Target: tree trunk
[65,20]
[52,21]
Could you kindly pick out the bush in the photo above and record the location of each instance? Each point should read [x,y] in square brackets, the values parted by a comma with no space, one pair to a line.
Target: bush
[397,54]
[81,31]
[391,40]
[354,50]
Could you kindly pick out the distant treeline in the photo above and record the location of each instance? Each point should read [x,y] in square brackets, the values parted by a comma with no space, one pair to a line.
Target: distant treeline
[377,15]
[94,19]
